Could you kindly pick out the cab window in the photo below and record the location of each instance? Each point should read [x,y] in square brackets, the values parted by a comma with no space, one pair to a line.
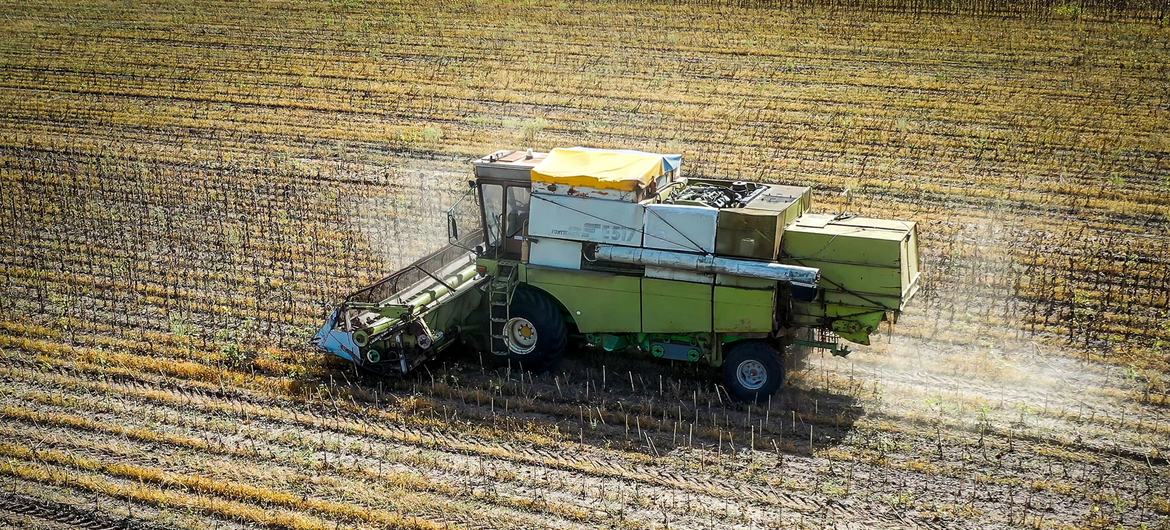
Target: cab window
[516,212]
[492,199]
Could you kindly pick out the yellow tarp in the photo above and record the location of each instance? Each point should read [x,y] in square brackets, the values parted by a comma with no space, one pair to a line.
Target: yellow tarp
[598,168]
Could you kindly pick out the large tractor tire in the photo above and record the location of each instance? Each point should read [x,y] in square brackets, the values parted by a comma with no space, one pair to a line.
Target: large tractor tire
[752,371]
[535,332]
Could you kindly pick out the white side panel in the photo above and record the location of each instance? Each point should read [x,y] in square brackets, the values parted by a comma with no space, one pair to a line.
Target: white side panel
[558,253]
[580,219]
[584,191]
[675,274]
[681,227]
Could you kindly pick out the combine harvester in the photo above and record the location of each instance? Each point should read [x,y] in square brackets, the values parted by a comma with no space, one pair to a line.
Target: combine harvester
[619,248]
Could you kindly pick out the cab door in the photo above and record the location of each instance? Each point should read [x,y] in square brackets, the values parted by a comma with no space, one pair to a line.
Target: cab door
[505,217]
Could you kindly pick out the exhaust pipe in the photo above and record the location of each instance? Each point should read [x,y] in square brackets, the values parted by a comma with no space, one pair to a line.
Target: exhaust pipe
[768,270]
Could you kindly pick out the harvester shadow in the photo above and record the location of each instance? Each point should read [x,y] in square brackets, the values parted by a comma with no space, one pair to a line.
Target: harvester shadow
[799,419]
[606,400]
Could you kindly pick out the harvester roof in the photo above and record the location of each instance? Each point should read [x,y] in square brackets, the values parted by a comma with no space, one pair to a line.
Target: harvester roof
[624,170]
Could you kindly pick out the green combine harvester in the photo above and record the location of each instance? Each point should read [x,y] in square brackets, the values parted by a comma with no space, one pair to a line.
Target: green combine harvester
[618,248]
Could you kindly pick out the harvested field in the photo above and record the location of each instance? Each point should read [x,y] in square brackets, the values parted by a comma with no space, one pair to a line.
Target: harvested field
[186,186]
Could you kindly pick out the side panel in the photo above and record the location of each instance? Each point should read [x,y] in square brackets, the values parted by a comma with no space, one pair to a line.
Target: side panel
[744,310]
[679,227]
[883,250]
[859,266]
[577,219]
[670,306]
[557,253]
[598,301]
[863,300]
[910,264]
[861,279]
[905,262]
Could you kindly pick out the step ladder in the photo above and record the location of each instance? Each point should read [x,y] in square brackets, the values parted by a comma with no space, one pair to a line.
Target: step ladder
[499,299]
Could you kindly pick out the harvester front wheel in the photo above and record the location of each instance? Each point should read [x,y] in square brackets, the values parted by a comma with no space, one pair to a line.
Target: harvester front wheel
[535,332]
[752,371]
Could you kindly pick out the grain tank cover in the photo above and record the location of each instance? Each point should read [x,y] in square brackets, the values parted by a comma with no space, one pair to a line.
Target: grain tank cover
[623,170]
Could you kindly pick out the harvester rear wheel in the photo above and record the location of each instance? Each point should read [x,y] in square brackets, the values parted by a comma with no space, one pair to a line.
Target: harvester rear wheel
[752,371]
[535,333]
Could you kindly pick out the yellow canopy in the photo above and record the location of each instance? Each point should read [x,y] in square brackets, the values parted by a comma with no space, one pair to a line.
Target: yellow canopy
[598,168]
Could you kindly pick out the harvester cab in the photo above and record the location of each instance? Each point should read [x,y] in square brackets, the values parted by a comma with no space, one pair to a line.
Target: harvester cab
[504,193]
[616,246]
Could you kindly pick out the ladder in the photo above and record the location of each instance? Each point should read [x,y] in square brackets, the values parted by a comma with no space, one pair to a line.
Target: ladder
[499,299]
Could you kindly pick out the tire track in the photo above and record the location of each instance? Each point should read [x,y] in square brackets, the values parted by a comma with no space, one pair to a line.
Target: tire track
[72,516]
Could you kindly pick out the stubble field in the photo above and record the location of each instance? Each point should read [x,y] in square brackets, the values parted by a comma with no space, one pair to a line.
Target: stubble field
[186,186]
